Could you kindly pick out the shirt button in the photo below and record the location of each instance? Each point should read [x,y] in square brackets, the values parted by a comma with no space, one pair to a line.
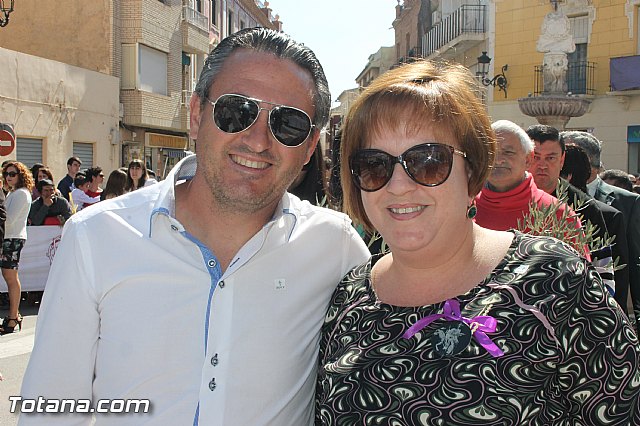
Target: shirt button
[212,263]
[221,284]
[212,384]
[214,360]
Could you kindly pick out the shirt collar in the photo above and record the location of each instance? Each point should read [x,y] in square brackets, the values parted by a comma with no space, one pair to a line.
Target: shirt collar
[593,185]
[285,216]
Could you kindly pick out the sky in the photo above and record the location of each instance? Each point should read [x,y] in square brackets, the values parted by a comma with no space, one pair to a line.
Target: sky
[342,33]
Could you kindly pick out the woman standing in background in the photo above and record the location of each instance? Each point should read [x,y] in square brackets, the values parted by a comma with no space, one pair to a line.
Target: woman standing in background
[137,175]
[115,185]
[17,177]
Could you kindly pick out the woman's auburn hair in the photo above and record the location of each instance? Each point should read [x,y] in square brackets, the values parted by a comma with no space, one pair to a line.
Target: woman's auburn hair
[411,97]
[25,178]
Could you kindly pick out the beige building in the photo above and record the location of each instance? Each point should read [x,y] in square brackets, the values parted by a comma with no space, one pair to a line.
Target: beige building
[409,26]
[52,115]
[154,48]
[378,64]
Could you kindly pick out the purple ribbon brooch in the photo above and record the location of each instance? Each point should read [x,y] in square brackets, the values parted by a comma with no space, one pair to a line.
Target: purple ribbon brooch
[453,338]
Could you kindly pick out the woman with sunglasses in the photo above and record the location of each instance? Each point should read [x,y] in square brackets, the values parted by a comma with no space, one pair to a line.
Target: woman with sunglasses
[137,175]
[459,324]
[20,182]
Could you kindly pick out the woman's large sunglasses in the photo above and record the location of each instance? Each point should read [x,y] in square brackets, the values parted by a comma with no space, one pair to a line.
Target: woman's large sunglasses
[428,164]
[236,113]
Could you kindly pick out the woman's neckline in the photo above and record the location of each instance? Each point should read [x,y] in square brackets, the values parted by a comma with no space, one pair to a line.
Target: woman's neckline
[371,277]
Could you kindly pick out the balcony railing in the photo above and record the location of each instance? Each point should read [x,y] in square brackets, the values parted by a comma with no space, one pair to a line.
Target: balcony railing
[412,55]
[468,19]
[195,18]
[624,73]
[580,79]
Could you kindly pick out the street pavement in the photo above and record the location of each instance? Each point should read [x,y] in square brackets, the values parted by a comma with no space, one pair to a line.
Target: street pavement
[15,350]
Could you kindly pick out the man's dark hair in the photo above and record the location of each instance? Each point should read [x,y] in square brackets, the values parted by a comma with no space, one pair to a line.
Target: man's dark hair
[42,183]
[92,172]
[588,142]
[620,178]
[576,168]
[71,160]
[34,170]
[541,133]
[80,180]
[278,44]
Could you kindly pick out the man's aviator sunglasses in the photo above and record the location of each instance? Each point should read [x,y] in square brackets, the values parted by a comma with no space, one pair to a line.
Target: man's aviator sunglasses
[428,164]
[236,113]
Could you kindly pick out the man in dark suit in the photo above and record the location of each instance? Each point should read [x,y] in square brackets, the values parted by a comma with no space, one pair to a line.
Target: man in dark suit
[627,202]
[550,156]
[577,170]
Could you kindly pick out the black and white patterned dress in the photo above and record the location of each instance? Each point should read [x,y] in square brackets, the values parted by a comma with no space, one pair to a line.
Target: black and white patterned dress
[570,356]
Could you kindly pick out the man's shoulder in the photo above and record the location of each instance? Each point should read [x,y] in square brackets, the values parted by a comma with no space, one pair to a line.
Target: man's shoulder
[134,207]
[622,193]
[305,208]
[606,208]
[309,216]
[65,179]
[58,200]
[544,198]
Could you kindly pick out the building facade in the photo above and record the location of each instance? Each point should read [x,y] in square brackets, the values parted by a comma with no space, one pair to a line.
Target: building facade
[52,115]
[378,64]
[602,69]
[154,48]
[409,25]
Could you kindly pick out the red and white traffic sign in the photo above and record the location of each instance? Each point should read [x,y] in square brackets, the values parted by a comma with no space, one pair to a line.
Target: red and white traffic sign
[7,139]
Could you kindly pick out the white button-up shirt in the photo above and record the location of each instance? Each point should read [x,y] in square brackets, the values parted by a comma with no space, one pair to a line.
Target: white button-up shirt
[135,307]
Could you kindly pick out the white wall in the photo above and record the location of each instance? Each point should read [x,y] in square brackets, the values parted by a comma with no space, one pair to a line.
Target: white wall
[60,104]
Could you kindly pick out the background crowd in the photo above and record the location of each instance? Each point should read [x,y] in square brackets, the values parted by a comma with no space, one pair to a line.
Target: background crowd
[465,321]
[519,167]
[31,198]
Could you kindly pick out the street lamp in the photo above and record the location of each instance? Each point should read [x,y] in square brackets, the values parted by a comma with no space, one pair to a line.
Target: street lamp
[5,10]
[499,80]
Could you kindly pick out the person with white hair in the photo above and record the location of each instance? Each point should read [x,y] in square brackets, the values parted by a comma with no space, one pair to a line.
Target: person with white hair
[504,200]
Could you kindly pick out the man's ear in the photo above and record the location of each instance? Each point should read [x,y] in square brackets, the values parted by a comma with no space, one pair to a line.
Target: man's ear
[528,160]
[195,115]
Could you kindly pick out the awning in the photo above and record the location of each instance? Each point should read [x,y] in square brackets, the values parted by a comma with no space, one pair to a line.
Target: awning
[175,153]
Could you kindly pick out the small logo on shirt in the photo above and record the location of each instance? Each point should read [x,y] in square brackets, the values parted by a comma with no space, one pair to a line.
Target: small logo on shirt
[279,284]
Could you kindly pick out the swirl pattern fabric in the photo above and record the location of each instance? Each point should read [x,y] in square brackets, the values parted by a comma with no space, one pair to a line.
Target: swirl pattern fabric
[570,354]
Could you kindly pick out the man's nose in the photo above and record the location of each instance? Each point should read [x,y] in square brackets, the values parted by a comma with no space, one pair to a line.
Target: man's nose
[542,165]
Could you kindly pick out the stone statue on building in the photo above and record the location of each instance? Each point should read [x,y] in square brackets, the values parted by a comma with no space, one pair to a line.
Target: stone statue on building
[554,72]
[555,42]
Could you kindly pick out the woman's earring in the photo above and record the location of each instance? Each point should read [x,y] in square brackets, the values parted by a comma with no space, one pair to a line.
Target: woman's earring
[472,210]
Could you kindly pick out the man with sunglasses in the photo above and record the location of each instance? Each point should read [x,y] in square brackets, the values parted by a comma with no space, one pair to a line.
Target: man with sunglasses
[504,200]
[205,293]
